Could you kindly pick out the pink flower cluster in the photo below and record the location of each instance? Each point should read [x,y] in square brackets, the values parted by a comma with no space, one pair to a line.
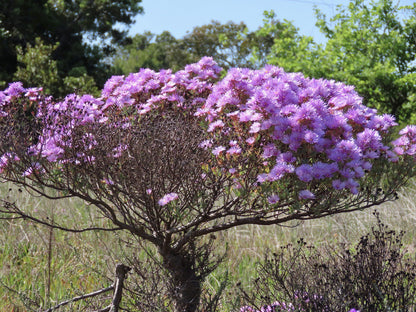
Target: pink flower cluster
[306,129]
[166,199]
[406,144]
[313,129]
[143,92]
[149,90]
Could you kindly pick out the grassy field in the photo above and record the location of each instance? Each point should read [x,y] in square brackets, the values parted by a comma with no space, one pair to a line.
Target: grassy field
[42,267]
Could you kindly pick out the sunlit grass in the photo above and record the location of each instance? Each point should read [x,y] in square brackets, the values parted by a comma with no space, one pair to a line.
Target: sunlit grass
[247,244]
[40,266]
[84,262]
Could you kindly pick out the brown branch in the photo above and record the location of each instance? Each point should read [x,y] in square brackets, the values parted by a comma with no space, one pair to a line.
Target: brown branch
[121,272]
[105,208]
[306,215]
[24,216]
[93,294]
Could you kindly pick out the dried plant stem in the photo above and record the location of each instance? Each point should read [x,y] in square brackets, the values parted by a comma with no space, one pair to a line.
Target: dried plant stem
[93,294]
[121,274]
[48,290]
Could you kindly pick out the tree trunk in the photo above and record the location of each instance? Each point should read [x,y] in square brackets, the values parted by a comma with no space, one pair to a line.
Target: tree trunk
[185,284]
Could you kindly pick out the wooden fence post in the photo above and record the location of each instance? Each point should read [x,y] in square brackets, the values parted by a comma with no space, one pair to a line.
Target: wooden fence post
[121,272]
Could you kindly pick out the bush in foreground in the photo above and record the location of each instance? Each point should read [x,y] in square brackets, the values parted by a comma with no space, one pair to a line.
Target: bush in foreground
[373,275]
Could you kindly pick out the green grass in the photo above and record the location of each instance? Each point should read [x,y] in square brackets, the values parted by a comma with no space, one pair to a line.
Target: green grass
[40,268]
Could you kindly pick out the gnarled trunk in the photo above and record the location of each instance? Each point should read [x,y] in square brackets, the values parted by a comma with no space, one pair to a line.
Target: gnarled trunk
[185,284]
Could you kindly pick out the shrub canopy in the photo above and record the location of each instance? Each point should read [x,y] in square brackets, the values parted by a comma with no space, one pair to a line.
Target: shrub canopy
[172,157]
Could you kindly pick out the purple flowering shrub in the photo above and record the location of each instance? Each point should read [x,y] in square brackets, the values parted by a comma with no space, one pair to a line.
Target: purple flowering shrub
[310,134]
[305,134]
[173,157]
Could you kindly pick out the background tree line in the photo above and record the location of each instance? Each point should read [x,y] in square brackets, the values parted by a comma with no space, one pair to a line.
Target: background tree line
[62,44]
[75,45]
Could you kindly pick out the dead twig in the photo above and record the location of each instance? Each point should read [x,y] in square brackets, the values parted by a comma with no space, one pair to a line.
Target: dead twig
[121,272]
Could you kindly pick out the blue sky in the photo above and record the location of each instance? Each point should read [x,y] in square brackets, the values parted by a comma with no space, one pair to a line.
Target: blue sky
[180,16]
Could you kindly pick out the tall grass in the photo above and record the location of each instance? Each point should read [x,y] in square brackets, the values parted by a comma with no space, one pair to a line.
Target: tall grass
[247,244]
[40,268]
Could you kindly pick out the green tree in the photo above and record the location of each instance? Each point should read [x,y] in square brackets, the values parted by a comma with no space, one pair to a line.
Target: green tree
[279,42]
[230,44]
[152,51]
[227,43]
[71,24]
[36,67]
[371,46]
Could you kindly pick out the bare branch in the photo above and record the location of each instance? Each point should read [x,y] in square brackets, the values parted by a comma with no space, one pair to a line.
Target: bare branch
[121,272]
[93,294]
[12,209]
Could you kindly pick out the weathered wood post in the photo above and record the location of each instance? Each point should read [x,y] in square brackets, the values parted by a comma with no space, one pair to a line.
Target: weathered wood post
[121,272]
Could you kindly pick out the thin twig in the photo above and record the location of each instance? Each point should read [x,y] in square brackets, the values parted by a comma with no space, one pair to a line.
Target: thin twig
[21,295]
[48,289]
[12,209]
[106,309]
[95,293]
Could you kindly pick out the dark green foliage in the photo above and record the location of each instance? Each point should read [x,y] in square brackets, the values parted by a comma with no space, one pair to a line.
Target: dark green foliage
[230,44]
[38,68]
[151,51]
[373,275]
[65,25]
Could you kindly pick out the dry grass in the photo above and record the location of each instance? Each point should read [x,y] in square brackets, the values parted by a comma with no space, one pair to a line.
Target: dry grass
[247,244]
[80,263]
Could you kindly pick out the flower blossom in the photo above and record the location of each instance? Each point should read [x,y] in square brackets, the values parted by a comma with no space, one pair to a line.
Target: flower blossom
[167,199]
[306,194]
[295,128]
